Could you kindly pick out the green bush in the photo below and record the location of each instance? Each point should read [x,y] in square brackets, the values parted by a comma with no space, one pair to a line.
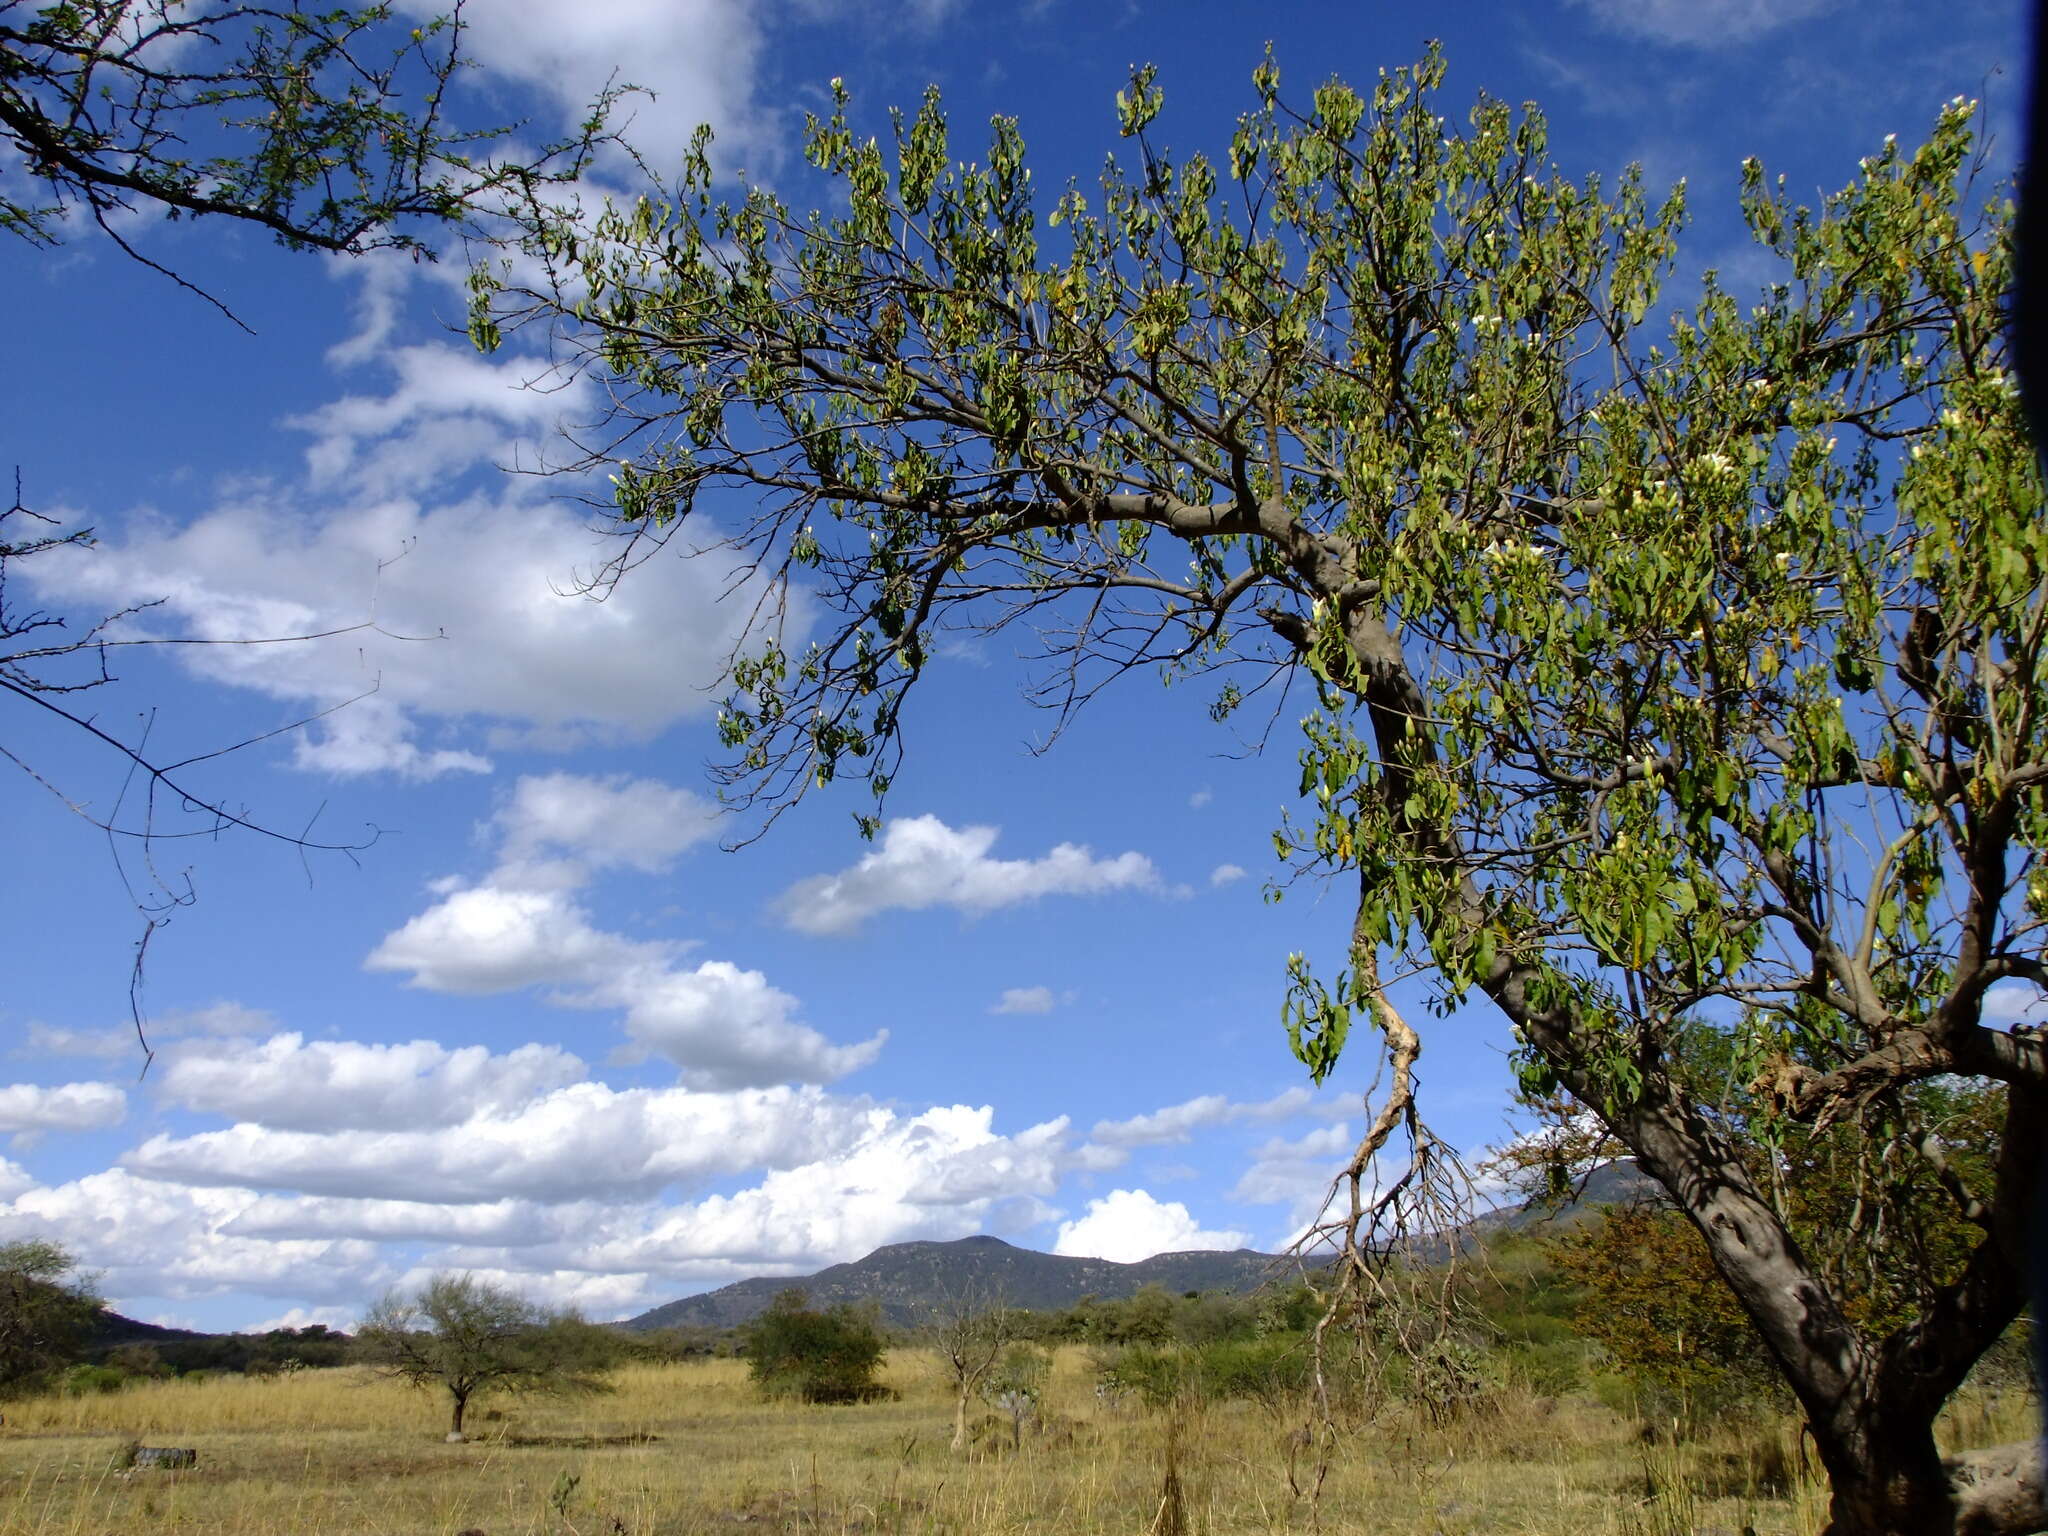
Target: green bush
[1272,1371]
[88,1380]
[1156,1377]
[820,1357]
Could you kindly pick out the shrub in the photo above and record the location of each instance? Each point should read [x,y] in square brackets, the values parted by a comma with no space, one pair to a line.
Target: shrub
[1272,1372]
[1156,1377]
[90,1380]
[820,1357]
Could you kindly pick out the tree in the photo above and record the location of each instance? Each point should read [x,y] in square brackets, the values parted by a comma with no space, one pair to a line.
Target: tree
[472,1338]
[47,1313]
[970,1335]
[820,1357]
[1671,669]
[328,128]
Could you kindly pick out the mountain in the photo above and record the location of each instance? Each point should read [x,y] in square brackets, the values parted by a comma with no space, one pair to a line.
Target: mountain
[913,1281]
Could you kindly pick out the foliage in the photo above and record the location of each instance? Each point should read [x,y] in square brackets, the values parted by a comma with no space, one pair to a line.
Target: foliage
[1674,668]
[1015,1384]
[1156,1377]
[820,1357]
[1651,1299]
[327,127]
[89,1380]
[47,1312]
[1273,1371]
[470,1338]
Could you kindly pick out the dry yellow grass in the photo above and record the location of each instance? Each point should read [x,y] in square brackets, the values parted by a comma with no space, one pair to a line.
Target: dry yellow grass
[691,1448]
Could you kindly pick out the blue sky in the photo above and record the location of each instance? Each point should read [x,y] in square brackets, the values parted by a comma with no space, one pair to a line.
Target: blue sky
[545,1027]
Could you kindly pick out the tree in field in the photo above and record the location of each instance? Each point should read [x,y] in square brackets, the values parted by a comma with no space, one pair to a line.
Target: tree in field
[820,1357]
[970,1335]
[471,1338]
[47,1312]
[1667,668]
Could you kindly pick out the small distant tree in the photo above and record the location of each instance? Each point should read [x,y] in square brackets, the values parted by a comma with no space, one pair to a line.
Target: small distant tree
[820,1357]
[970,1336]
[471,1338]
[47,1312]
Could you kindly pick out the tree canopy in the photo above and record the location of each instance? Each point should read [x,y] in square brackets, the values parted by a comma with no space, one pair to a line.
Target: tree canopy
[471,1338]
[47,1311]
[330,128]
[1670,660]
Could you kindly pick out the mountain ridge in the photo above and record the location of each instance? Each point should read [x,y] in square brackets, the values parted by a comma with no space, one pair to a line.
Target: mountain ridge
[913,1282]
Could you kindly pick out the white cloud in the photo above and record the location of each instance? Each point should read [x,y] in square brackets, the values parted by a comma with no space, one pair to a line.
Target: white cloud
[286,1083]
[342,1318]
[1177,1122]
[936,1175]
[1127,1225]
[14,1180]
[28,1109]
[479,621]
[2013,1001]
[1703,23]
[448,408]
[728,1028]
[600,822]
[1297,1173]
[923,863]
[585,1141]
[502,1223]
[1224,874]
[1024,1000]
[1200,798]
[488,939]
[157,1239]
[698,57]
[120,1042]
[522,927]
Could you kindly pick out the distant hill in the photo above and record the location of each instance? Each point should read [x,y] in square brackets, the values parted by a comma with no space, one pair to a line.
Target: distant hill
[913,1282]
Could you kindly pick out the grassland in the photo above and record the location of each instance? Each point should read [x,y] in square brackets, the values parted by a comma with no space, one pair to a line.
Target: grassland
[691,1448]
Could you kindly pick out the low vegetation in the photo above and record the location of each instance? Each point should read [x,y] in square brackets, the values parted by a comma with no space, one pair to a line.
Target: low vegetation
[1568,1394]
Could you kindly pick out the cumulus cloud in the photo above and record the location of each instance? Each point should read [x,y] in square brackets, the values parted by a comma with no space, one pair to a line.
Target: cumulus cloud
[1703,23]
[598,823]
[523,926]
[1295,1173]
[697,59]
[585,1141]
[728,1028]
[1178,1122]
[936,1175]
[28,1109]
[479,628]
[1127,1225]
[286,1083]
[156,1239]
[489,939]
[1024,1000]
[1225,874]
[342,1318]
[2013,1002]
[923,863]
